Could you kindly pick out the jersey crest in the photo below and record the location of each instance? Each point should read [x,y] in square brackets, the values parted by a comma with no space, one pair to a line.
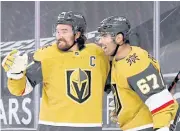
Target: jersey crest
[78,84]
[132,59]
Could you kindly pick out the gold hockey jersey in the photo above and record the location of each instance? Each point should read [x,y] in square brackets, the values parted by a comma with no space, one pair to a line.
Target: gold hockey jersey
[73,85]
[141,99]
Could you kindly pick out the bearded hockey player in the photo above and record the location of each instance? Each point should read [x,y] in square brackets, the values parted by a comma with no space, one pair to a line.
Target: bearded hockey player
[73,76]
[142,102]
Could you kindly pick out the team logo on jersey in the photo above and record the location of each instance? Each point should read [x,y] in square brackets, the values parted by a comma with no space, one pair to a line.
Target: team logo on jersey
[116,98]
[132,59]
[78,84]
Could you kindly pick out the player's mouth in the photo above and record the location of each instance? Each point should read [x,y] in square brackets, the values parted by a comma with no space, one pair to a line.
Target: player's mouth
[60,42]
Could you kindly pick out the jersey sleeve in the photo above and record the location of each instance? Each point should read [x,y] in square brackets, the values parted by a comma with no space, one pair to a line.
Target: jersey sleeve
[149,85]
[152,60]
[16,87]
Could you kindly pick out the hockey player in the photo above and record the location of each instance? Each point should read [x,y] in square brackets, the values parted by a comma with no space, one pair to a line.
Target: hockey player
[142,102]
[73,76]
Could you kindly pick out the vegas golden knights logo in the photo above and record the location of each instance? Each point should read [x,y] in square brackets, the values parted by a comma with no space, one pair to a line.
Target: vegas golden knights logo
[116,99]
[79,84]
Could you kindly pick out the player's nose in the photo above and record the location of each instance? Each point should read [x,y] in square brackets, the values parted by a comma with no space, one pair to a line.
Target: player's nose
[58,36]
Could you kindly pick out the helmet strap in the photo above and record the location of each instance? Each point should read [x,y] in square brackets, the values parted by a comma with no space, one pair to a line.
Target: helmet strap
[117,47]
[115,51]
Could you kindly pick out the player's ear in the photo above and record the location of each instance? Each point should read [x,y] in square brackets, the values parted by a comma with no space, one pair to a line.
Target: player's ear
[77,35]
[119,38]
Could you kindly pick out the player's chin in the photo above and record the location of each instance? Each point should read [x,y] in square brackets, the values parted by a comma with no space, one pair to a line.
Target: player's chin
[63,48]
[60,47]
[105,50]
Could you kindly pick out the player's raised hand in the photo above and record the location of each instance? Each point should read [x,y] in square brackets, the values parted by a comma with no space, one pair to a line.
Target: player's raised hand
[9,60]
[15,64]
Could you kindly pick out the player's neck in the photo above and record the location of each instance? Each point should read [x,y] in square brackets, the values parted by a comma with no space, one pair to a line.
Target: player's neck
[123,51]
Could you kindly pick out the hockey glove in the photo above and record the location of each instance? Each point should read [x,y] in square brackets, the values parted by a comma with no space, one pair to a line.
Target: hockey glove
[15,64]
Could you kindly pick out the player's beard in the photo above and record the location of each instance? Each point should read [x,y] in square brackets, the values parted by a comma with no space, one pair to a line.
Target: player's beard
[63,45]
